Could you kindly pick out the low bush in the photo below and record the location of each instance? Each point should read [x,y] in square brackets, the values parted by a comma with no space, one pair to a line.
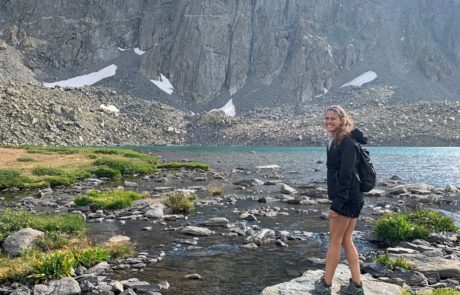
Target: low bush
[56,265]
[216,191]
[25,159]
[105,171]
[11,221]
[11,178]
[48,171]
[90,256]
[392,263]
[395,228]
[186,165]
[180,203]
[121,250]
[114,199]
[126,166]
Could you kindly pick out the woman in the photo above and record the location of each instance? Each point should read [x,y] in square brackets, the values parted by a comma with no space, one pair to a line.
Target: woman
[347,199]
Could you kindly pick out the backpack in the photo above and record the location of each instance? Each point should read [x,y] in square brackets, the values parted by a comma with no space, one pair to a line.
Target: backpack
[365,171]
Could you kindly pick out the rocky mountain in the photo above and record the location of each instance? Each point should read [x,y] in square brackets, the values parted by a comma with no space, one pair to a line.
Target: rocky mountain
[211,49]
[280,61]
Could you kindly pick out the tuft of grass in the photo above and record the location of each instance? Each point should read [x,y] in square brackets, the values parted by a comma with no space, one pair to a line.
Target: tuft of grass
[25,159]
[186,165]
[90,256]
[51,171]
[11,178]
[180,203]
[114,199]
[11,221]
[216,191]
[125,166]
[105,171]
[56,265]
[121,250]
[52,241]
[392,263]
[395,228]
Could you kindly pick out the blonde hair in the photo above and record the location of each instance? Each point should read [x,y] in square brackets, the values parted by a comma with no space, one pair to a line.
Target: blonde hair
[347,123]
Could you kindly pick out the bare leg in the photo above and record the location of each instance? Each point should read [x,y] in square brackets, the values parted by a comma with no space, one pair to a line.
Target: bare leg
[351,252]
[337,227]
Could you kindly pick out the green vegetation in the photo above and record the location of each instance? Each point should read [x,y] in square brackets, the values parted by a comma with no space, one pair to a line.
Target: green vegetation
[63,248]
[25,159]
[114,199]
[186,165]
[11,178]
[128,166]
[440,291]
[392,263]
[105,171]
[180,203]
[398,227]
[55,166]
[11,221]
[42,171]
[216,191]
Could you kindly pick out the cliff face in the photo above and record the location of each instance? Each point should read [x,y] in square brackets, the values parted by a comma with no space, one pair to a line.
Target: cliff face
[210,49]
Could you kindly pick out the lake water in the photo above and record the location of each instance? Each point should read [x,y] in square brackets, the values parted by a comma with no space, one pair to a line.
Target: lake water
[432,165]
[226,266]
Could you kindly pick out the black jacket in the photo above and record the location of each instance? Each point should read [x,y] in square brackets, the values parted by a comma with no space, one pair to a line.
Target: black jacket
[342,183]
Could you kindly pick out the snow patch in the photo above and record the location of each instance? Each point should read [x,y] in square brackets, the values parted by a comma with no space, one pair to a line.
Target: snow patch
[228,109]
[361,79]
[138,51]
[110,109]
[85,80]
[164,84]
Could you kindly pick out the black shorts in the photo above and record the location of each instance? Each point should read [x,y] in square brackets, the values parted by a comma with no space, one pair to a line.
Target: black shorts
[351,209]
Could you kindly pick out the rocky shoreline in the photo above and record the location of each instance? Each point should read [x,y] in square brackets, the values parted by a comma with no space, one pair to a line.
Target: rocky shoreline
[436,260]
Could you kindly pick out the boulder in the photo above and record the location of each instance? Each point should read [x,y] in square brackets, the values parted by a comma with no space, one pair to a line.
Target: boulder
[304,285]
[22,239]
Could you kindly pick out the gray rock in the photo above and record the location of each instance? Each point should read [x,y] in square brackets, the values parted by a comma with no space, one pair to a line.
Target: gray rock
[305,284]
[22,239]
[65,286]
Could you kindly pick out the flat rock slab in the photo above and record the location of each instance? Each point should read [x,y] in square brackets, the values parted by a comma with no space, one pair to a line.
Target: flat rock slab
[304,285]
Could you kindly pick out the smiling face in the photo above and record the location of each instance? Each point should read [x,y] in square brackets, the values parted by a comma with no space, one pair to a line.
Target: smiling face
[332,122]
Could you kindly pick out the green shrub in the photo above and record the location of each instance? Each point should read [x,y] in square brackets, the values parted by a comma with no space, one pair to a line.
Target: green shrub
[65,180]
[11,178]
[114,199]
[120,250]
[47,171]
[180,203]
[90,256]
[395,228]
[55,265]
[186,165]
[105,171]
[11,221]
[25,159]
[52,241]
[216,191]
[392,263]
[126,166]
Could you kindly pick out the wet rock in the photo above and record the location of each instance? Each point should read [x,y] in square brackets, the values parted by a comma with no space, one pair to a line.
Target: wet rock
[216,221]
[66,286]
[249,182]
[286,189]
[196,231]
[305,284]
[194,276]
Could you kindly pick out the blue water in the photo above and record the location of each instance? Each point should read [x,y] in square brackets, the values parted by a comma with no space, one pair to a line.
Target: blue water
[437,166]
